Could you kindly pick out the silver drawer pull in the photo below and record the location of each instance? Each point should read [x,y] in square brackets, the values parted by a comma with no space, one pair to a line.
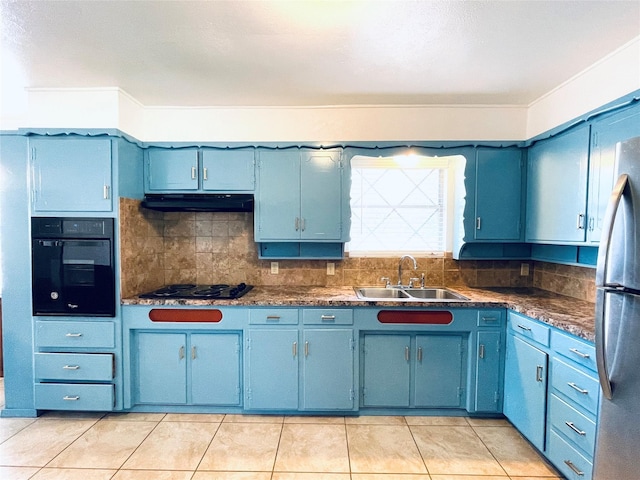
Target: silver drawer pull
[71,367]
[577,388]
[579,353]
[523,327]
[575,429]
[74,335]
[73,398]
[575,469]
[539,371]
[327,317]
[489,319]
[273,317]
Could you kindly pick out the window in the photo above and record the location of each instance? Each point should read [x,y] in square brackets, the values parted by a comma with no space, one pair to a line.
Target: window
[401,204]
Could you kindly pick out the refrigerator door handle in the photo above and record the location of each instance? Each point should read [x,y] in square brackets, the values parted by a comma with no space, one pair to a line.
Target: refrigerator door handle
[601,359]
[607,229]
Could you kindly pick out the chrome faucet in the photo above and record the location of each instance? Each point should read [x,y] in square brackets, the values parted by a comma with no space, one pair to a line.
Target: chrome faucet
[415,267]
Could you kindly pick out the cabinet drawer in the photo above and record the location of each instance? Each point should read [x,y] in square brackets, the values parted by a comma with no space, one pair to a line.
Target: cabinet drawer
[571,464]
[324,316]
[275,316]
[490,318]
[529,328]
[74,366]
[70,396]
[75,334]
[579,429]
[576,385]
[579,351]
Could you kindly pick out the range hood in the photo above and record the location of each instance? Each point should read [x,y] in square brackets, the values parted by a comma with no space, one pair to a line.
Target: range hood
[199,202]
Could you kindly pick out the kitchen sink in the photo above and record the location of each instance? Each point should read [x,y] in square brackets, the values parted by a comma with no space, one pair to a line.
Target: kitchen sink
[408,294]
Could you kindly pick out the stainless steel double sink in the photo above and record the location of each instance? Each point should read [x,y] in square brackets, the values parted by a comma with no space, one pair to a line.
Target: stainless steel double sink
[409,294]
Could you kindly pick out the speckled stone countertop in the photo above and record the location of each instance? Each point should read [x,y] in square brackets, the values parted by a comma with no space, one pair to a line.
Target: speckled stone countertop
[566,313]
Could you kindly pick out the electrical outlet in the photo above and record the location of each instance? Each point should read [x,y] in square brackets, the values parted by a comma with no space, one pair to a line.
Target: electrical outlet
[331,268]
[524,269]
[274,268]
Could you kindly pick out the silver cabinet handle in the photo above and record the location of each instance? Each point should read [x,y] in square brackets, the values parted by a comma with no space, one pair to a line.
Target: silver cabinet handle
[481,351]
[71,367]
[193,353]
[579,353]
[71,398]
[523,327]
[406,353]
[478,223]
[306,349]
[273,317]
[580,223]
[181,353]
[575,469]
[72,306]
[539,370]
[105,192]
[193,173]
[326,318]
[295,349]
[572,426]
[297,223]
[302,224]
[419,354]
[577,388]
[489,319]
[73,335]
[205,176]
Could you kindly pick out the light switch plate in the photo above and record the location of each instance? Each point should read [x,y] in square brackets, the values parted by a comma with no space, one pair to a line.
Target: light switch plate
[524,269]
[331,268]
[274,268]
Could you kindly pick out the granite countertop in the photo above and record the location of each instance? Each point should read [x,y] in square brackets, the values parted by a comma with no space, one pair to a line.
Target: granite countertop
[566,313]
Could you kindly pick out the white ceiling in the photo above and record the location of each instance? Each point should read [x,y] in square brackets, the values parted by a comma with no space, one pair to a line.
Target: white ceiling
[275,53]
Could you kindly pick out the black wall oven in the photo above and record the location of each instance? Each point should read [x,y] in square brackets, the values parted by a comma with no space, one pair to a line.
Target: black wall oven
[73,266]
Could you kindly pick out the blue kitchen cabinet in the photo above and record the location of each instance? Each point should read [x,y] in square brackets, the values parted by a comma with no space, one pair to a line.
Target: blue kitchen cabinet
[71,174]
[439,371]
[488,372]
[525,377]
[187,368]
[498,198]
[557,188]
[386,370]
[299,196]
[271,369]
[192,170]
[605,133]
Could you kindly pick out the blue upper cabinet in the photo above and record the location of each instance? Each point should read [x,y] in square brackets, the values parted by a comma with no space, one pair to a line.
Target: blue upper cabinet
[71,174]
[498,196]
[557,188]
[193,170]
[299,196]
[605,133]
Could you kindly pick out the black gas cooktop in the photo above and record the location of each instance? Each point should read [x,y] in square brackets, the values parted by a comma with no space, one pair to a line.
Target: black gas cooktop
[207,292]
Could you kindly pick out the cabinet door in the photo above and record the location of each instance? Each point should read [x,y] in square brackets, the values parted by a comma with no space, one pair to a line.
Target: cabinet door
[272,370]
[605,133]
[525,389]
[557,188]
[487,389]
[169,170]
[386,370]
[328,369]
[278,206]
[438,371]
[228,170]
[498,199]
[161,376]
[71,174]
[320,196]
[215,368]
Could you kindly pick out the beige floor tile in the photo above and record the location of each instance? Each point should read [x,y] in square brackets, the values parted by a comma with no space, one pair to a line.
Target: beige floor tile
[253,419]
[383,449]
[107,444]
[389,476]
[312,448]
[136,416]
[314,419]
[454,450]
[18,473]
[460,421]
[536,478]
[193,417]
[73,474]
[173,446]
[231,476]
[310,476]
[37,444]
[375,420]
[10,426]
[514,453]
[488,422]
[152,475]
[470,477]
[243,447]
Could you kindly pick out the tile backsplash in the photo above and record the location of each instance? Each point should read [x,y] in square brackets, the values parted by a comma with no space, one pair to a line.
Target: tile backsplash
[201,247]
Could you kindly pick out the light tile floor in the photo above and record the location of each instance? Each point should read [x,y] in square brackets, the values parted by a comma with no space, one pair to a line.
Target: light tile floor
[139,446]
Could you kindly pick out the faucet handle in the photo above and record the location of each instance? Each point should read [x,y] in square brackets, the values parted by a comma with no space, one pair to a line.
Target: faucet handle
[387,281]
[411,280]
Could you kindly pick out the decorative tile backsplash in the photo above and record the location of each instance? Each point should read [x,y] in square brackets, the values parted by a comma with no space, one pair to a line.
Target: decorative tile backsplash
[201,247]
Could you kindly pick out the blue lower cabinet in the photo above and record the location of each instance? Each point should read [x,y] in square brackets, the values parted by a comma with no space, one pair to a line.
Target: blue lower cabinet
[74,396]
[488,396]
[571,463]
[439,371]
[187,368]
[387,370]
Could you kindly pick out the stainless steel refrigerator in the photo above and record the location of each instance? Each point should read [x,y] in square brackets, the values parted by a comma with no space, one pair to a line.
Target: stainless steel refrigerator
[617,320]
